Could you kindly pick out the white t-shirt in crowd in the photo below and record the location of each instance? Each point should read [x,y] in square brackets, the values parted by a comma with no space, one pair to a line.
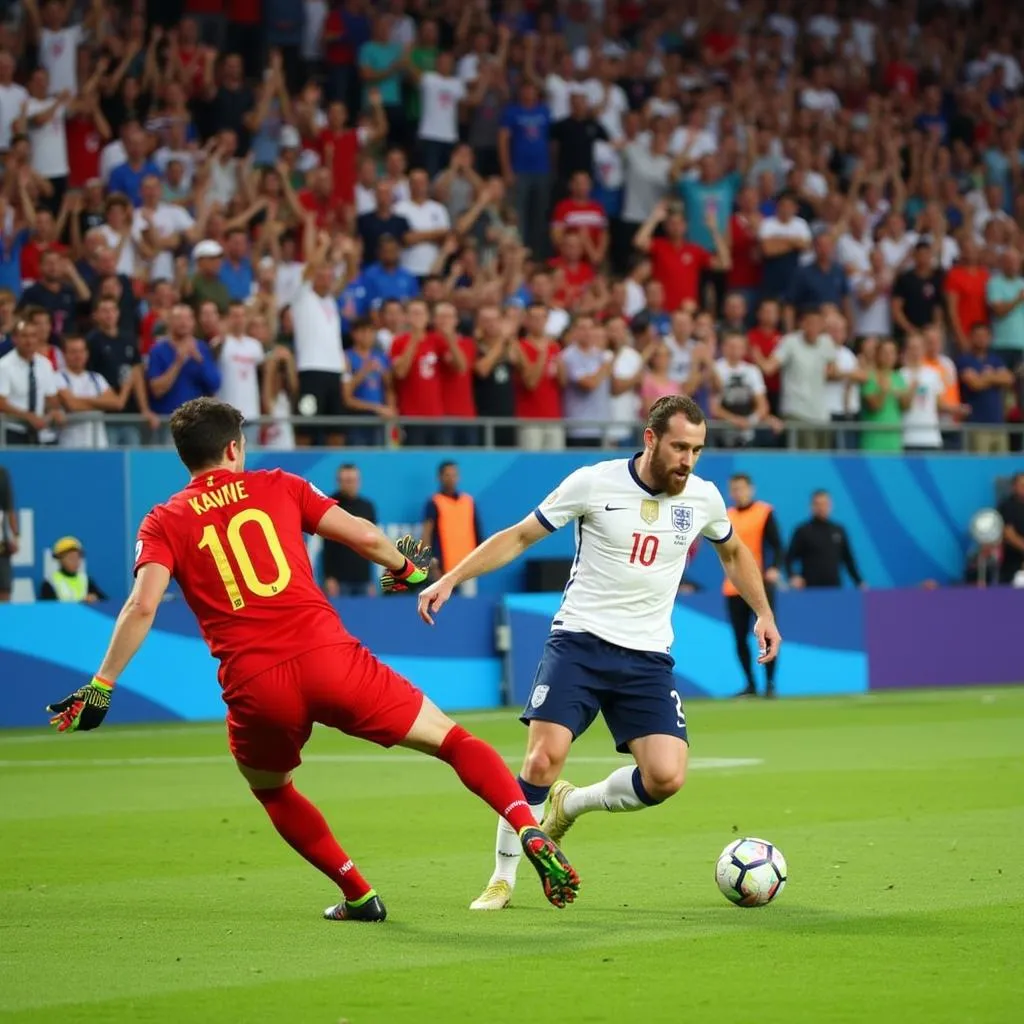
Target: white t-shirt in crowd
[636,298]
[949,251]
[608,170]
[610,110]
[91,434]
[113,155]
[287,282]
[12,99]
[557,91]
[129,262]
[223,181]
[239,359]
[842,397]
[14,384]
[795,229]
[625,408]
[921,418]
[896,251]
[700,141]
[366,200]
[49,141]
[58,53]
[822,101]
[429,215]
[166,220]
[439,111]
[557,322]
[853,254]
[875,316]
[317,332]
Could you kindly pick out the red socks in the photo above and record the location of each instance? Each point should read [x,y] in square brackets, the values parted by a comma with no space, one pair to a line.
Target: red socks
[483,772]
[304,829]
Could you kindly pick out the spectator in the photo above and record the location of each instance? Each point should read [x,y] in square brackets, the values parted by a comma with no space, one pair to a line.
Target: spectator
[819,549]
[368,388]
[380,66]
[627,373]
[917,294]
[984,380]
[236,269]
[524,157]
[239,358]
[588,368]
[42,118]
[10,539]
[927,390]
[180,368]
[230,98]
[12,98]
[387,279]
[69,581]
[783,237]
[747,269]
[60,290]
[1005,296]
[345,572]
[441,95]
[451,523]
[93,395]
[383,221]
[457,358]
[164,228]
[415,360]
[539,384]
[581,214]
[871,295]
[29,390]
[498,357]
[128,177]
[574,137]
[428,224]
[740,397]
[805,358]
[843,386]
[206,285]
[1011,508]
[884,398]
[822,282]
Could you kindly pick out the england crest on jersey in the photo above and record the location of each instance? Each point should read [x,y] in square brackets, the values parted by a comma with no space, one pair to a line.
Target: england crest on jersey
[682,518]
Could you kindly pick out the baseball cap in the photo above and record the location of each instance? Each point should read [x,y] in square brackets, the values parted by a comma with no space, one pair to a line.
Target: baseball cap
[65,545]
[207,249]
[290,137]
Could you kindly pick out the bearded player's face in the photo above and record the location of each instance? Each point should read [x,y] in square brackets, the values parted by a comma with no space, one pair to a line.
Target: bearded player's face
[675,453]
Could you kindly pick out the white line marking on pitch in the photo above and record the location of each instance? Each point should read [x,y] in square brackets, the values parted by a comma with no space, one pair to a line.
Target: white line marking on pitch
[121,762]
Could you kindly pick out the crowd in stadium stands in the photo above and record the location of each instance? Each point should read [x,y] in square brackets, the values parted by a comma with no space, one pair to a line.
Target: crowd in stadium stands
[553,210]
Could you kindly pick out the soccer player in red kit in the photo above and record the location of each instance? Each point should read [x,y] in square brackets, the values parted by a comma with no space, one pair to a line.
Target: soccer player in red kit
[234,542]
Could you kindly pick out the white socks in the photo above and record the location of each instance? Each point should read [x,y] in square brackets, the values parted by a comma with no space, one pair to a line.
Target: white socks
[616,793]
[508,849]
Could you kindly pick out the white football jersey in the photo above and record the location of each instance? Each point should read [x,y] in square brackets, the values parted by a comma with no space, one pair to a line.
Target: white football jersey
[631,547]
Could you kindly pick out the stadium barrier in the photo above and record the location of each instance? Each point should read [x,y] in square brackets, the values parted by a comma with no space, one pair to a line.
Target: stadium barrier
[482,653]
[906,516]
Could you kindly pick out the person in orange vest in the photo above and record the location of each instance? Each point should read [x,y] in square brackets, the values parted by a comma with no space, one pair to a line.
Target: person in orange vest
[755,524]
[451,525]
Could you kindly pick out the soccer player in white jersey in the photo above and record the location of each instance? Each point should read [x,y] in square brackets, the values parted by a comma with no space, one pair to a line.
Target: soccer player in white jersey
[635,520]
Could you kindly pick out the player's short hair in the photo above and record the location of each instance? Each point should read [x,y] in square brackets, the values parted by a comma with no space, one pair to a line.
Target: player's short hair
[673,405]
[202,429]
[447,464]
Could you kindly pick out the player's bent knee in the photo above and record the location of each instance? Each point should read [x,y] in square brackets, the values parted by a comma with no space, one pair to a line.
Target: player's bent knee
[259,779]
[661,784]
[543,766]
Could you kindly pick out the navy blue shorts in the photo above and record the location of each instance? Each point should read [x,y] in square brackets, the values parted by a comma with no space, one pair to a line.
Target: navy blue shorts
[579,674]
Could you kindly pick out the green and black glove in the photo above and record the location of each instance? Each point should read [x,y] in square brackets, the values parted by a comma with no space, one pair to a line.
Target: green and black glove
[84,709]
[413,574]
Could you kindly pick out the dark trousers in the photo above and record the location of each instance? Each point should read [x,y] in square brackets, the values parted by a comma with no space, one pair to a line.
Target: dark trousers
[741,618]
[435,156]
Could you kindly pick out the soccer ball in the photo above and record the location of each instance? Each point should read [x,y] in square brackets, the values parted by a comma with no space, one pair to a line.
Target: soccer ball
[751,872]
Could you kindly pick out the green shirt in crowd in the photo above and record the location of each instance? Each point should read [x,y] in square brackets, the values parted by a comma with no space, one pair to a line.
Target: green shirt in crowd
[889,413]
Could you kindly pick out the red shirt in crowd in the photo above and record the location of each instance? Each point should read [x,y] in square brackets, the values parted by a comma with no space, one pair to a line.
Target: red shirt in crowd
[678,266]
[764,341]
[746,268]
[969,285]
[544,402]
[32,253]
[84,145]
[575,279]
[581,215]
[900,77]
[338,49]
[418,393]
[345,145]
[457,385]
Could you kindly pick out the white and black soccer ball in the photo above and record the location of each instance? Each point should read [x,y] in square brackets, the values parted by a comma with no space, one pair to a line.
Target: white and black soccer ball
[751,872]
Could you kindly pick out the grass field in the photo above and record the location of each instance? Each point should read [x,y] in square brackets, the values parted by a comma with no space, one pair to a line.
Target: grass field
[140,882]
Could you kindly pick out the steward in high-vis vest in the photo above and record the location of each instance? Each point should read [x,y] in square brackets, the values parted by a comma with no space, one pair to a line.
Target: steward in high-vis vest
[450,522]
[69,581]
[755,524]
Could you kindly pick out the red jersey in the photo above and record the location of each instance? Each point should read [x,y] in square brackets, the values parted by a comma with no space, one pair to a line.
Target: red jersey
[764,342]
[457,388]
[746,254]
[418,393]
[234,542]
[544,402]
[678,267]
[346,152]
[32,253]
[581,215]
[969,284]
[574,281]
[84,145]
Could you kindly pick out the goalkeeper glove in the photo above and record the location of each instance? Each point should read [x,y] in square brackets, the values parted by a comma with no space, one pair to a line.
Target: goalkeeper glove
[414,573]
[84,709]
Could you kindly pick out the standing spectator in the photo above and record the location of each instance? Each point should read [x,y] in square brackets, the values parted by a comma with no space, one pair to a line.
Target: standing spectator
[524,154]
[9,533]
[368,388]
[747,269]
[819,549]
[164,228]
[451,523]
[1005,297]
[236,270]
[428,224]
[676,263]
[884,398]
[58,41]
[180,368]
[871,293]
[539,384]
[12,98]
[927,391]
[42,118]
[458,354]
[763,339]
[345,572]
[229,100]
[917,294]
[69,581]
[1011,508]
[386,279]
[318,352]
[441,93]
[805,358]
[646,163]
[783,237]
[966,292]
[498,357]
[755,524]
[574,137]
[842,388]
[206,285]
[822,282]
[383,220]
[588,368]
[380,67]
[627,373]
[29,390]
[91,389]
[128,177]
[239,358]
[984,380]
[582,214]
[740,397]
[657,381]
[59,290]
[415,361]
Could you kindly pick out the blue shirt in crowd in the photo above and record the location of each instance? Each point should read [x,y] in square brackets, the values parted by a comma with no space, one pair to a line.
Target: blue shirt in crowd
[237,279]
[10,260]
[987,405]
[383,284]
[124,178]
[814,286]
[529,138]
[371,388]
[353,302]
[378,57]
[196,379]
[700,198]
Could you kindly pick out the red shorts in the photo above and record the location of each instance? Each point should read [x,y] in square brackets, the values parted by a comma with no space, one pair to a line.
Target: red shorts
[271,715]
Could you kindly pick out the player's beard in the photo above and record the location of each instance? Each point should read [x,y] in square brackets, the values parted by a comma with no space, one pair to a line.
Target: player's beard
[671,481]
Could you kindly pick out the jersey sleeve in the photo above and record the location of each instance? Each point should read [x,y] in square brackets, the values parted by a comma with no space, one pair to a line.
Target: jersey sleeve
[568,501]
[313,503]
[718,528]
[152,545]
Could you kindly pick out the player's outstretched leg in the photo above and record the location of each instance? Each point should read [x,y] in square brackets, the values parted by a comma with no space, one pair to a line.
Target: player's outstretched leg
[301,825]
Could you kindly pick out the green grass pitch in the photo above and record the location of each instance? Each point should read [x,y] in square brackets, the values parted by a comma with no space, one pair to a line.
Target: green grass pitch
[139,882]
